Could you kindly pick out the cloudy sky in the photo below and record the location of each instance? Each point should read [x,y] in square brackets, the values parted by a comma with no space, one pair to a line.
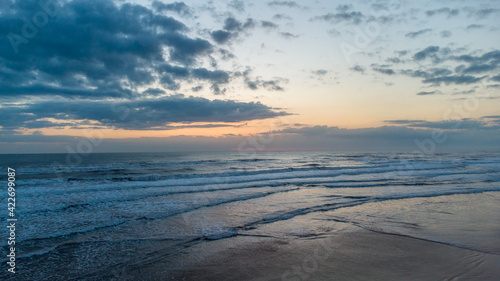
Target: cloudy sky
[102,75]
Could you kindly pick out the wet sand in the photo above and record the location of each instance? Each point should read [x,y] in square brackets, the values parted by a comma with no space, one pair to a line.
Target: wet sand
[352,254]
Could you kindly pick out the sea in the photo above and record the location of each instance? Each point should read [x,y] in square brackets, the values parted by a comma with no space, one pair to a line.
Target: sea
[83,216]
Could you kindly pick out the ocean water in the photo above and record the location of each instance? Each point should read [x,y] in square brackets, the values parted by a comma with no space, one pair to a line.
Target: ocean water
[82,217]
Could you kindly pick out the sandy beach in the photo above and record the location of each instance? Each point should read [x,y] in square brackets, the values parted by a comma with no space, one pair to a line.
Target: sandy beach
[352,254]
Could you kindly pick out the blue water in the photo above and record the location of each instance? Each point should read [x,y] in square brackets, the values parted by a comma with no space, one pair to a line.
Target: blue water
[114,209]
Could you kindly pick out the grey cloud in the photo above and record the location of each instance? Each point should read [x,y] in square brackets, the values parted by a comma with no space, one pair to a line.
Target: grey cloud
[232,29]
[290,4]
[221,36]
[232,24]
[320,72]
[386,71]
[281,17]
[238,5]
[461,124]
[402,53]
[446,11]
[380,7]
[178,7]
[403,121]
[445,33]
[256,83]
[426,53]
[136,115]
[349,17]
[334,32]
[288,35]
[479,68]
[268,24]
[435,72]
[217,90]
[216,76]
[458,124]
[481,13]
[386,138]
[268,84]
[358,68]
[197,88]
[394,60]
[343,15]
[90,50]
[453,79]
[474,26]
[428,93]
[154,91]
[417,33]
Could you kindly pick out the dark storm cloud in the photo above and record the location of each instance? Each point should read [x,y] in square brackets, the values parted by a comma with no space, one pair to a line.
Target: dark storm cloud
[178,7]
[417,33]
[94,49]
[142,114]
[442,11]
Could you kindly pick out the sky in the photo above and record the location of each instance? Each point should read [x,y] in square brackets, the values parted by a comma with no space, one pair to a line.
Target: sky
[114,76]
